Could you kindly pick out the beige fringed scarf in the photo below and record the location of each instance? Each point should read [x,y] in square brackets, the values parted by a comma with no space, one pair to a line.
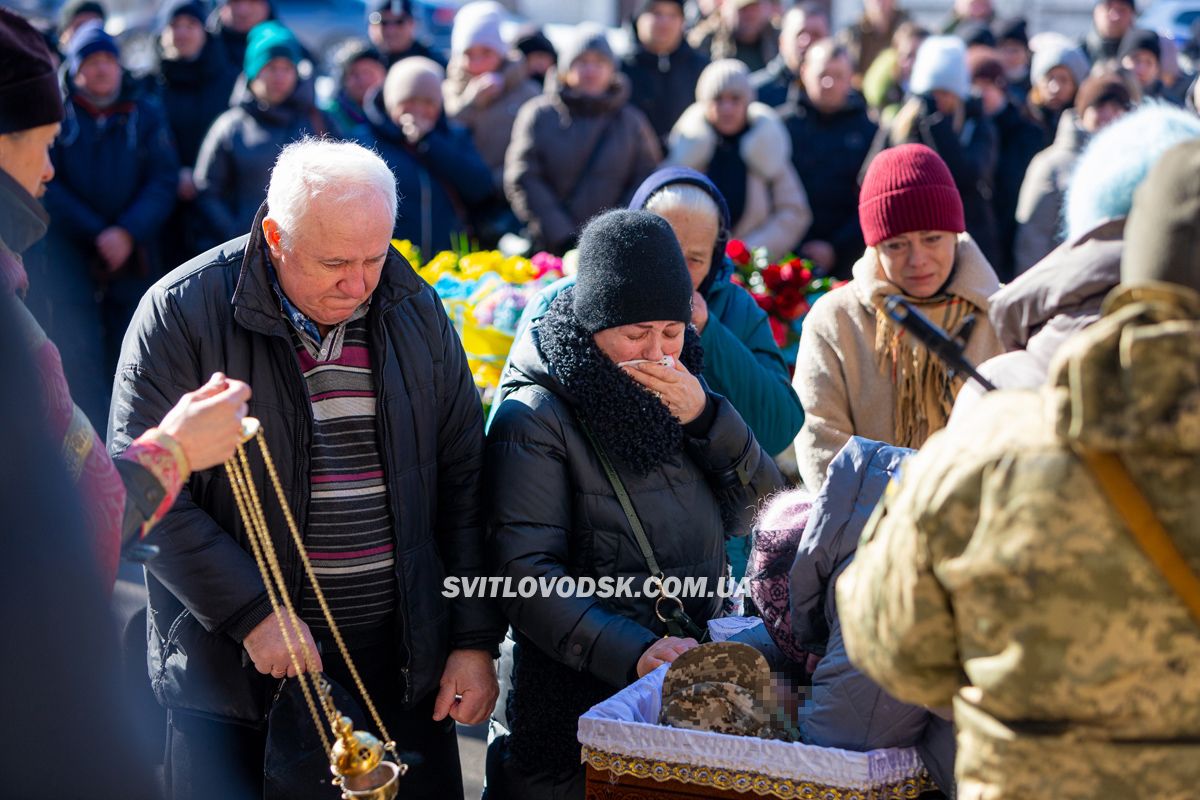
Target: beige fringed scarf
[924,390]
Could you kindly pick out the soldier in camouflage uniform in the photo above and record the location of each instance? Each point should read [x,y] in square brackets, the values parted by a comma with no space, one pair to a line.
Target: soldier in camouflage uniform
[998,576]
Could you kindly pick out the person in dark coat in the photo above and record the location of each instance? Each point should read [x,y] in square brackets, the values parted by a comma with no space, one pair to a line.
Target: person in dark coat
[117,176]
[741,360]
[231,23]
[1111,20]
[194,82]
[831,136]
[1012,48]
[1019,139]
[554,511]
[274,108]
[941,114]
[1059,69]
[73,15]
[349,351]
[53,602]
[392,28]
[360,71]
[439,173]
[802,26]
[738,29]
[1141,55]
[538,52]
[578,149]
[662,68]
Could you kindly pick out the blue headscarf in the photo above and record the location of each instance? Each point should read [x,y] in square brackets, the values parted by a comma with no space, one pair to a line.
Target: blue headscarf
[669,176]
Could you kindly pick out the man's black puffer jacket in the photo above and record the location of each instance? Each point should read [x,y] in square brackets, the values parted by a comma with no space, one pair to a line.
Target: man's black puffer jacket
[219,313]
[553,513]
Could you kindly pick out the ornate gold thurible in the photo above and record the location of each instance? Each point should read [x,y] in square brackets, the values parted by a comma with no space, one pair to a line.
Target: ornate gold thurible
[358,759]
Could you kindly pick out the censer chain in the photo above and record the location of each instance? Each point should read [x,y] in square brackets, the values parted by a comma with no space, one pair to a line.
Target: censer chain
[388,743]
[268,566]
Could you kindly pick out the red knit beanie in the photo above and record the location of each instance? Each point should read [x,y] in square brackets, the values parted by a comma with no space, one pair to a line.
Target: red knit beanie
[908,188]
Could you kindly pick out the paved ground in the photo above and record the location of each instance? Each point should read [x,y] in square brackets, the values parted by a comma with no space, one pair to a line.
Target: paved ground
[472,743]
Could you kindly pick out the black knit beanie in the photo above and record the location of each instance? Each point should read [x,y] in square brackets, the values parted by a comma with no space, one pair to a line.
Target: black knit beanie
[646,6]
[29,92]
[630,270]
[74,8]
[1140,39]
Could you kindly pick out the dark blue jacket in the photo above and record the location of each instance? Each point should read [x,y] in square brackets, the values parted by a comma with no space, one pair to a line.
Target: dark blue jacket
[828,151]
[1019,139]
[236,157]
[194,93]
[117,168]
[439,180]
[663,86]
[773,83]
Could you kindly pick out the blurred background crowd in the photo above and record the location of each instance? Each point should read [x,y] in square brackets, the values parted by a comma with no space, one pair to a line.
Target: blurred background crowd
[510,126]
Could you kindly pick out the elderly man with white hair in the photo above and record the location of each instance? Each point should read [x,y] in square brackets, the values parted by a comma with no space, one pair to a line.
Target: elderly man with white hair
[372,417]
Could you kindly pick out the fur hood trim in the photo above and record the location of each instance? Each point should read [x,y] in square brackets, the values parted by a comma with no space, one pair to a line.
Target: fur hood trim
[766,147]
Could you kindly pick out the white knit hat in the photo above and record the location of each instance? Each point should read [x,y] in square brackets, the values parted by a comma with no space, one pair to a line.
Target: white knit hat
[478,23]
[941,64]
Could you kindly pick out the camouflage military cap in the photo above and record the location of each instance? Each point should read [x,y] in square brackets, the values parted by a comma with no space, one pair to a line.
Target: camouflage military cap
[715,706]
[725,687]
[720,662]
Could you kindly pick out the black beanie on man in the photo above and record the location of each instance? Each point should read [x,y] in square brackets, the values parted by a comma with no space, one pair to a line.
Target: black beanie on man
[646,6]
[74,8]
[1140,39]
[29,93]
[631,270]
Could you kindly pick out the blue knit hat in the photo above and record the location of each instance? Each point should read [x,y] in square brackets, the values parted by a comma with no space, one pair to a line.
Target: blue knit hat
[269,40]
[89,40]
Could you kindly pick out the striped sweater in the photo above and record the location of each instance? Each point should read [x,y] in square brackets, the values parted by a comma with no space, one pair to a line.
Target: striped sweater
[349,535]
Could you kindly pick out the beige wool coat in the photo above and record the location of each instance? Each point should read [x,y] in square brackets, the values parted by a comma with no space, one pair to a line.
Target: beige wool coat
[844,389]
[777,213]
[490,121]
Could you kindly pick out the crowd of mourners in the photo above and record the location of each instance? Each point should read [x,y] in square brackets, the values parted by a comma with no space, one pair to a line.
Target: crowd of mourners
[219,223]
[507,133]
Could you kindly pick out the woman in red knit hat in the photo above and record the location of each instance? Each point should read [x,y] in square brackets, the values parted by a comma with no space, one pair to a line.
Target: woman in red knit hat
[857,373]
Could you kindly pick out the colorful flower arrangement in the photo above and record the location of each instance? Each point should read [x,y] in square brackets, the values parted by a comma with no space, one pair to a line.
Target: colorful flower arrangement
[484,294]
[785,290]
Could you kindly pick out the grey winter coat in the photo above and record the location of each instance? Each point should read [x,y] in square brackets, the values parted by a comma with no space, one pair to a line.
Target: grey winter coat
[552,178]
[849,710]
[1040,204]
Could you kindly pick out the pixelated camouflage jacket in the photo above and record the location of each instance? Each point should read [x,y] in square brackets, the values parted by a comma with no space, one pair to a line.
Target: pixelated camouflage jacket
[996,575]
